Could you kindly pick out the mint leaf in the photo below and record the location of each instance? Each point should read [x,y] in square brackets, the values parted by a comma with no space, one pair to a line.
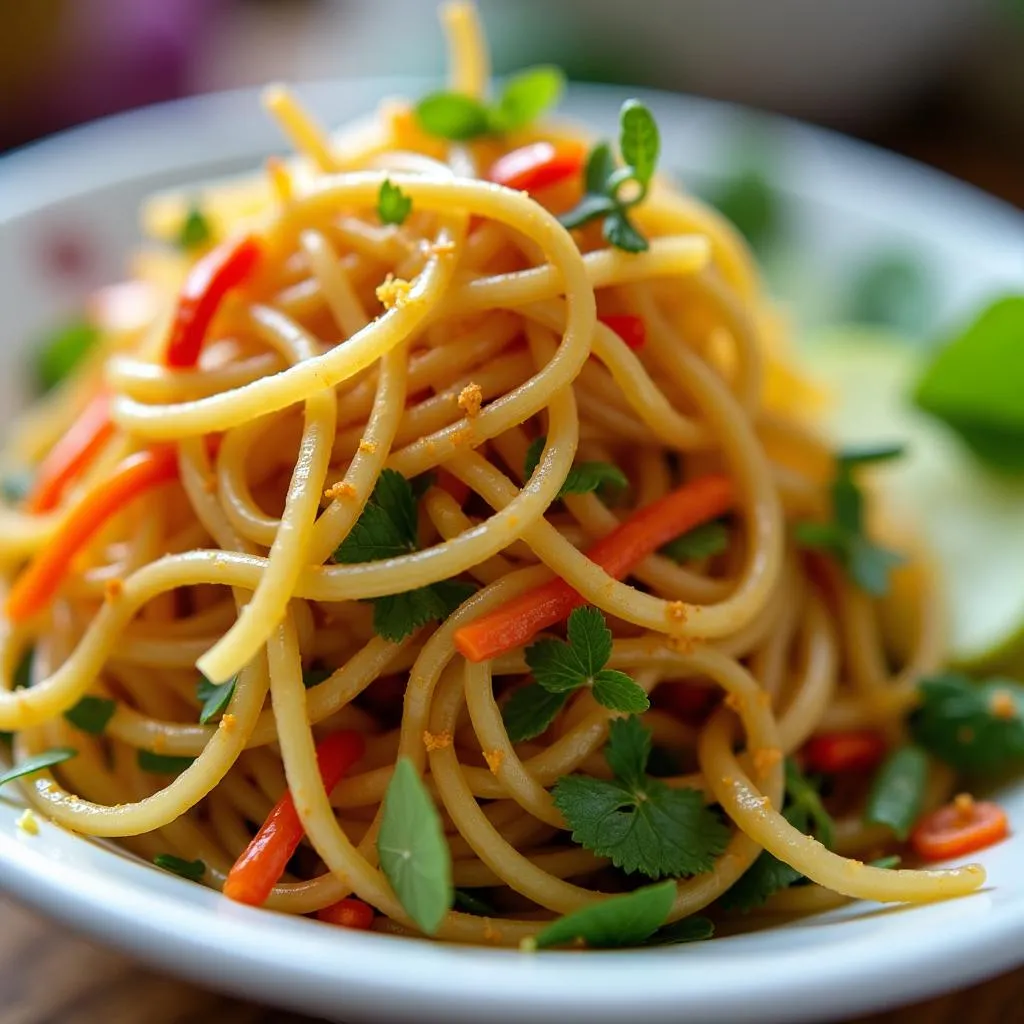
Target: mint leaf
[193,870]
[618,921]
[688,929]
[195,230]
[162,764]
[214,698]
[91,714]
[37,763]
[639,141]
[526,96]
[393,205]
[701,542]
[58,354]
[413,851]
[974,383]
[529,711]
[453,116]
[897,792]
[618,692]
[978,728]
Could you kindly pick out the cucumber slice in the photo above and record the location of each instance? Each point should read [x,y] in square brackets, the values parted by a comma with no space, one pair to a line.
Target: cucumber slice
[973,519]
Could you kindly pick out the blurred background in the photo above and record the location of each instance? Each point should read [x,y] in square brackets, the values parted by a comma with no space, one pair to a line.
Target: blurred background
[942,80]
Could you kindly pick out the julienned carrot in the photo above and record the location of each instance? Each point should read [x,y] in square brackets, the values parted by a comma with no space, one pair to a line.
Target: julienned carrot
[263,861]
[517,622]
[70,455]
[37,585]
[959,828]
[348,914]
[209,280]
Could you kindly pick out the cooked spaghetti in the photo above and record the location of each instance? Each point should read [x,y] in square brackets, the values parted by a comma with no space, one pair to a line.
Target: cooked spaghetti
[386,499]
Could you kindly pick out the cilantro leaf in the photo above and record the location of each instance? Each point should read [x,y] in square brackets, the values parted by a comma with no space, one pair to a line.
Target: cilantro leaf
[37,763]
[638,822]
[582,478]
[765,877]
[395,616]
[195,230]
[193,870]
[393,205]
[529,711]
[590,639]
[978,728]
[701,542]
[555,666]
[639,141]
[619,921]
[413,851]
[162,764]
[526,96]
[61,352]
[214,697]
[897,792]
[91,714]
[688,929]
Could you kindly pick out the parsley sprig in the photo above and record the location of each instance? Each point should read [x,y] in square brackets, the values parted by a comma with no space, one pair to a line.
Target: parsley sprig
[393,205]
[459,118]
[638,822]
[610,192]
[769,875]
[561,667]
[977,727]
[387,529]
[582,478]
[867,563]
[215,697]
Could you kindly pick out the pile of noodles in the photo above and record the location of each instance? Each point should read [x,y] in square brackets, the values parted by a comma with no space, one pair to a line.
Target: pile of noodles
[316,378]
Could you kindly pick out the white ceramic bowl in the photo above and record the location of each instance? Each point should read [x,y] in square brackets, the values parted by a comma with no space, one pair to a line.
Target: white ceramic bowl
[846,200]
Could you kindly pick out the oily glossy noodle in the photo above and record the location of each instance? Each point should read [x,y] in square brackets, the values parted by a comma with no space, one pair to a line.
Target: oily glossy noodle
[313,386]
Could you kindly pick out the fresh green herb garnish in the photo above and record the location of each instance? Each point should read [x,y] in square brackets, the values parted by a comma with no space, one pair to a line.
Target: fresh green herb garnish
[195,230]
[867,563]
[162,764]
[974,384]
[701,542]
[413,851]
[688,929]
[749,201]
[582,478]
[387,529]
[610,192]
[978,728]
[769,875]
[193,870]
[37,763]
[619,921]
[92,714]
[890,290]
[15,485]
[214,697]
[315,676]
[60,353]
[638,822]
[527,95]
[393,205]
[886,863]
[469,903]
[560,667]
[897,792]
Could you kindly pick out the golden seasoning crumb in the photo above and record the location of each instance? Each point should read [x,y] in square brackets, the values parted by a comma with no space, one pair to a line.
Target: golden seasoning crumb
[367,447]
[436,741]
[442,249]
[228,722]
[393,293]
[491,934]
[964,804]
[462,436]
[735,702]
[765,759]
[113,589]
[1002,705]
[678,611]
[494,759]
[28,823]
[339,490]
[856,864]
[682,644]
[471,397]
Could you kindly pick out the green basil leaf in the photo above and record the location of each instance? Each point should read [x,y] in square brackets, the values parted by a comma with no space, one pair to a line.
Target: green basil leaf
[599,170]
[639,140]
[618,921]
[526,96]
[589,208]
[453,116]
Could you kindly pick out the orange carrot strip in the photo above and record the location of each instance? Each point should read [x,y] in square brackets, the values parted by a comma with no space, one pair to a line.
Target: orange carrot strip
[70,455]
[37,585]
[348,914]
[263,861]
[959,828]
[517,622]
